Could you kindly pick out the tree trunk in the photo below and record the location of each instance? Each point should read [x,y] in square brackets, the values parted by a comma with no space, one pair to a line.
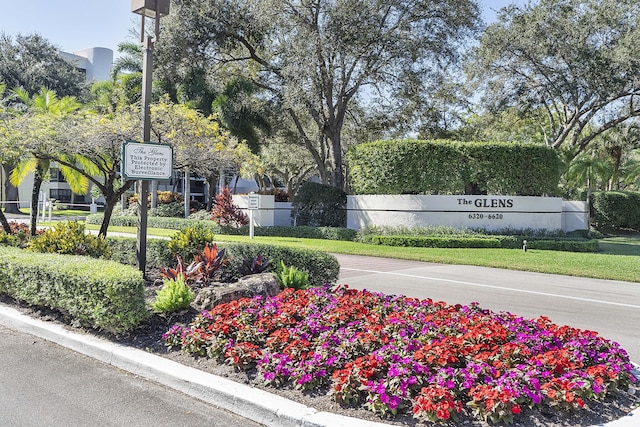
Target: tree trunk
[110,199]
[211,191]
[337,177]
[4,222]
[108,212]
[11,192]
[35,192]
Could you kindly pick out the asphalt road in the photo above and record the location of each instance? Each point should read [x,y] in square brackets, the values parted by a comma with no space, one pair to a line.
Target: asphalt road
[611,308]
[43,384]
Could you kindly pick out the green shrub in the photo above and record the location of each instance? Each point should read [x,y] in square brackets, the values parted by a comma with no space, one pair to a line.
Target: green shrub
[564,245]
[155,222]
[170,210]
[303,232]
[452,167]
[614,210]
[174,295]
[433,242]
[291,277]
[323,268]
[123,250]
[320,205]
[69,238]
[97,293]
[190,241]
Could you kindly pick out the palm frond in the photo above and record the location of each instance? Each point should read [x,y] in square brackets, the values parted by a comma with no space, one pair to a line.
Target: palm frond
[78,183]
[21,170]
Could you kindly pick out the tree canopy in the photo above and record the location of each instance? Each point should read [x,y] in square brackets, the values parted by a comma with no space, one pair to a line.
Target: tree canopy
[578,61]
[316,57]
[31,62]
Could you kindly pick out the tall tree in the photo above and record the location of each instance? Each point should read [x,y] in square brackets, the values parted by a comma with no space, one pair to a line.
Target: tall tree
[31,62]
[241,113]
[317,57]
[92,146]
[577,60]
[38,130]
[8,153]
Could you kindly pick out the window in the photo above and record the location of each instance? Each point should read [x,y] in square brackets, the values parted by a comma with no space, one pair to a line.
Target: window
[56,175]
[60,194]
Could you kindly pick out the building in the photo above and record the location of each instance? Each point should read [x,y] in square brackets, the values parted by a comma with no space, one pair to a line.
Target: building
[95,64]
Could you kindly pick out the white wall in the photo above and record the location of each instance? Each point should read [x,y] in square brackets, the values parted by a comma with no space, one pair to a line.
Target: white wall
[463,211]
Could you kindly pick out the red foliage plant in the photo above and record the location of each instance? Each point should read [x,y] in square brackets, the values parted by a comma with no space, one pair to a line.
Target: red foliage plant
[225,213]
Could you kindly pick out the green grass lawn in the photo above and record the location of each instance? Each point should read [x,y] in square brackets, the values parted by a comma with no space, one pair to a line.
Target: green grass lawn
[59,213]
[622,245]
[618,261]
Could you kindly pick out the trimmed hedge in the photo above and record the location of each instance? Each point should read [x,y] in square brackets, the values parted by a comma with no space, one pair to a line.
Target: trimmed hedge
[564,245]
[322,267]
[493,241]
[433,242]
[327,233]
[155,222]
[614,210]
[98,293]
[452,167]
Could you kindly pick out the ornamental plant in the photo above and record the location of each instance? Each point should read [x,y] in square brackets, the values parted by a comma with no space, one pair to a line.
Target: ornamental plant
[395,354]
[69,238]
[225,213]
[291,277]
[174,295]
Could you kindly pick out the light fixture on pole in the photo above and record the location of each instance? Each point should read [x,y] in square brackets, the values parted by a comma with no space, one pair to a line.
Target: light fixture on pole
[154,9]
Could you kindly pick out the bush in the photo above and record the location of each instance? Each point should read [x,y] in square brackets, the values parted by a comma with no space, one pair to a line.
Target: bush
[175,295]
[190,241]
[433,242]
[442,167]
[155,222]
[69,238]
[97,293]
[170,210]
[303,232]
[564,245]
[614,210]
[225,213]
[291,277]
[123,250]
[323,268]
[320,205]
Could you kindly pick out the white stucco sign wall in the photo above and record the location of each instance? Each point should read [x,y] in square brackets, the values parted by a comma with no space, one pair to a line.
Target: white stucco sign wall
[460,211]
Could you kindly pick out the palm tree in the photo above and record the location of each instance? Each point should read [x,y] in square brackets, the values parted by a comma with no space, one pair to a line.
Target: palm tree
[240,113]
[3,113]
[44,110]
[130,62]
[617,145]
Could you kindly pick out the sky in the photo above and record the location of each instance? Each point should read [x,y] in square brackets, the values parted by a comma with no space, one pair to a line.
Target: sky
[74,25]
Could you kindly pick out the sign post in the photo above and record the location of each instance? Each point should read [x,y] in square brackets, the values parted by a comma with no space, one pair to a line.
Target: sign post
[145,162]
[253,204]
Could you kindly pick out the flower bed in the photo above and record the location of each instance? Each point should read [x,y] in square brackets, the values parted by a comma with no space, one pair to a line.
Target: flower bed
[393,354]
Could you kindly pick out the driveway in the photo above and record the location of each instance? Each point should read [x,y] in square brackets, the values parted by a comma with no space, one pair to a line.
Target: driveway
[611,308]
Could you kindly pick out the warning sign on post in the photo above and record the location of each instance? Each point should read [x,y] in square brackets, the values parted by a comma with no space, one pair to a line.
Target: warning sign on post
[147,161]
[254,201]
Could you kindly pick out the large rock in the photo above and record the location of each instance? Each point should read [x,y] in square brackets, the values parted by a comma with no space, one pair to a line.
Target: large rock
[264,284]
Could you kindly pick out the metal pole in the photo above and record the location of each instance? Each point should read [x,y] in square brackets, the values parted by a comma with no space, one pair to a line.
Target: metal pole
[147,70]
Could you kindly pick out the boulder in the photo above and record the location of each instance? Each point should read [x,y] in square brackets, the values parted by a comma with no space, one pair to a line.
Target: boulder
[264,284]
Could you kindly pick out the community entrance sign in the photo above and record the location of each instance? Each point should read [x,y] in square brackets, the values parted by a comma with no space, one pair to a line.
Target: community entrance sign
[147,161]
[489,212]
